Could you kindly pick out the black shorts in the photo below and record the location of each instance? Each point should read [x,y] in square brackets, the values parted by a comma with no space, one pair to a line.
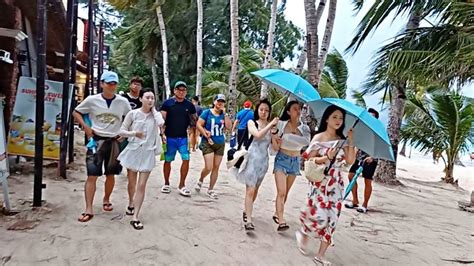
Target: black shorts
[368,169]
[106,155]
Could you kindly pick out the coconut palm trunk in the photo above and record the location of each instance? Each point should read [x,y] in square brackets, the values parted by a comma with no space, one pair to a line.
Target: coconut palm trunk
[154,76]
[269,48]
[312,41]
[161,24]
[387,170]
[234,28]
[199,49]
[327,37]
[304,52]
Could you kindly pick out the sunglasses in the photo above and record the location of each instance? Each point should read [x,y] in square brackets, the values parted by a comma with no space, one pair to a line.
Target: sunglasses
[111,83]
[220,101]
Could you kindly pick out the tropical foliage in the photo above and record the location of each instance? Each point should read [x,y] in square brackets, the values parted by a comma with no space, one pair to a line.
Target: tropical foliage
[441,124]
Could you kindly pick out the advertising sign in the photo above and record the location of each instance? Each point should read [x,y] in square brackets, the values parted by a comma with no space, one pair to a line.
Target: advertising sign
[21,137]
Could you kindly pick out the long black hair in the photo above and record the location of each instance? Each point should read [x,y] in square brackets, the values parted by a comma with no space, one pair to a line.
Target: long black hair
[145,90]
[255,114]
[323,125]
[285,116]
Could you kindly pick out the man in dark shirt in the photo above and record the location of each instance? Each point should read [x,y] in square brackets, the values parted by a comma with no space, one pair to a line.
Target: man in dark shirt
[369,165]
[178,114]
[132,96]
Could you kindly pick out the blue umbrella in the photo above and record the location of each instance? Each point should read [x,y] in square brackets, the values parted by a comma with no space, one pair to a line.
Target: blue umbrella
[353,181]
[370,134]
[288,82]
[91,145]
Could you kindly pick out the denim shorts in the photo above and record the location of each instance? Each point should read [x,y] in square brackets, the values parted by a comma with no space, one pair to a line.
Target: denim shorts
[289,165]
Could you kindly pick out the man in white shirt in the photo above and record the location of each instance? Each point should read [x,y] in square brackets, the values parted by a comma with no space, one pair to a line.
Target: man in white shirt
[106,112]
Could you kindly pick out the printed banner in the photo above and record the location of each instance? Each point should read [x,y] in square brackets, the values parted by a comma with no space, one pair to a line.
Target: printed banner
[21,137]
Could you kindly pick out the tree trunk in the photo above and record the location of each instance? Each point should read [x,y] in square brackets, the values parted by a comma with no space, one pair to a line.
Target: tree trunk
[164,43]
[327,37]
[303,55]
[199,50]
[312,41]
[234,28]
[386,170]
[269,48]
[154,76]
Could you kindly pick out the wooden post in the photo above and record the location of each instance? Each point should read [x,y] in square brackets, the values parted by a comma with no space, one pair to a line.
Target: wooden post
[40,87]
[100,54]
[73,81]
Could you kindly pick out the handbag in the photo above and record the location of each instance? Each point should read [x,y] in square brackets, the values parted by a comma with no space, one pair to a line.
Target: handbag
[314,172]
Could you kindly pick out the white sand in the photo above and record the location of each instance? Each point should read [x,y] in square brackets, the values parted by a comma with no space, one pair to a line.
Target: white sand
[418,224]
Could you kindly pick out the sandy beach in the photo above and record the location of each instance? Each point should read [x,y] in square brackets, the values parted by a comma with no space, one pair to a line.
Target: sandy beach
[416,224]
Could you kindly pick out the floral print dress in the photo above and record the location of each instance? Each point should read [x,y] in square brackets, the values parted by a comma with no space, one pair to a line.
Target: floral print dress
[321,212]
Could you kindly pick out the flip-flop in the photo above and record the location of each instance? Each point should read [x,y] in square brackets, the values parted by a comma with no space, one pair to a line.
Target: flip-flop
[283,227]
[249,227]
[107,207]
[165,189]
[299,242]
[350,205]
[85,217]
[276,219]
[137,225]
[362,209]
[321,261]
[130,210]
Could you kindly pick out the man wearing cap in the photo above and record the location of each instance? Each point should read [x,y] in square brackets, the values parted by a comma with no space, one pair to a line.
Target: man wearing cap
[178,113]
[106,112]
[243,116]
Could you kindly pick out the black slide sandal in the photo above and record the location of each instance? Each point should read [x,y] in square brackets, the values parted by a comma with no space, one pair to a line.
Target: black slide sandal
[137,225]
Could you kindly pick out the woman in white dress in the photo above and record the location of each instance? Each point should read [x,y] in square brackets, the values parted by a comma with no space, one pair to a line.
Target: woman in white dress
[254,171]
[141,127]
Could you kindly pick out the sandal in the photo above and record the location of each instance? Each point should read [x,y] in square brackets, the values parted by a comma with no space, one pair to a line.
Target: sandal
[362,209]
[212,194]
[198,186]
[249,227]
[244,217]
[276,219]
[283,227]
[130,210]
[184,191]
[351,205]
[107,207]
[321,261]
[299,242]
[137,225]
[85,217]
[165,189]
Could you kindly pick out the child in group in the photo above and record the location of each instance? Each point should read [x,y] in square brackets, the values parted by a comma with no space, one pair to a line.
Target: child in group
[141,127]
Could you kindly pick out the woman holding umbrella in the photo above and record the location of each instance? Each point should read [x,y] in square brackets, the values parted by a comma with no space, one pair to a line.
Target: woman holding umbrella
[320,214]
[289,138]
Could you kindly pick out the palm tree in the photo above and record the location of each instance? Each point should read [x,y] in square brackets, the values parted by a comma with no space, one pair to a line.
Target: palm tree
[234,28]
[312,41]
[440,123]
[380,78]
[199,49]
[269,48]
[327,37]
[164,46]
[334,76]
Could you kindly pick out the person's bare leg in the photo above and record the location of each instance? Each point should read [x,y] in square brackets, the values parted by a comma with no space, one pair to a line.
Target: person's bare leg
[289,183]
[184,173]
[280,181]
[167,172]
[367,191]
[89,192]
[322,250]
[250,193]
[132,186]
[256,193]
[108,187]
[208,162]
[355,197]
[140,195]
[215,171]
